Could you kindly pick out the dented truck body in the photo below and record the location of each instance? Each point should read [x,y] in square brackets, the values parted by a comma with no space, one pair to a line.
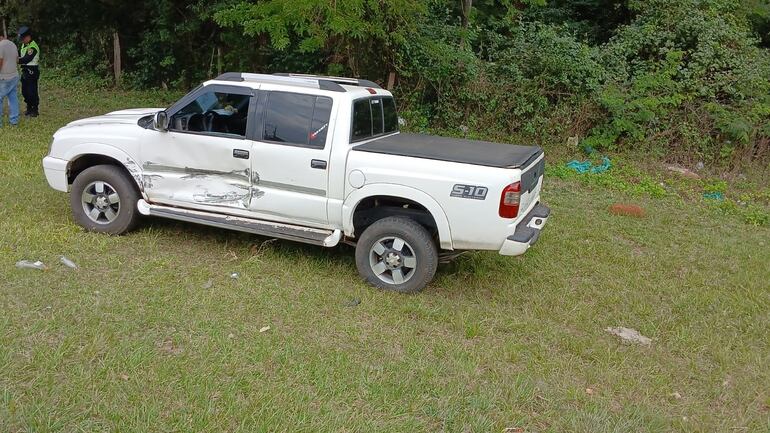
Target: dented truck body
[312,159]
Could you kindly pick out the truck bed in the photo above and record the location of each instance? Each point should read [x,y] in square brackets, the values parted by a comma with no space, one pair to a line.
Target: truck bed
[460,150]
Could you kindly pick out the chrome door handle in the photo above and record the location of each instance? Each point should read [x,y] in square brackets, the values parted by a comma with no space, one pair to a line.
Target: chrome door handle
[240,154]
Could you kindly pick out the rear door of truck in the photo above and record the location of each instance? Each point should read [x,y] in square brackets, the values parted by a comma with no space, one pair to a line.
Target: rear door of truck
[290,156]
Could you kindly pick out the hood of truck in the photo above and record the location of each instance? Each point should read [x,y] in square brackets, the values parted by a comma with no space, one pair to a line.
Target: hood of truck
[117,117]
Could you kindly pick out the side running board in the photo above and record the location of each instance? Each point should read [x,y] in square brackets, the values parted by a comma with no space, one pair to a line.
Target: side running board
[326,238]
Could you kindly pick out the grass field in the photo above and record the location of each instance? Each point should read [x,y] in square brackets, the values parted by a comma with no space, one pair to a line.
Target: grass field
[152,335]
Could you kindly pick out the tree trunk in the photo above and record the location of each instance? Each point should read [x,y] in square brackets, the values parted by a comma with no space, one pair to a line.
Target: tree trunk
[116,64]
[465,6]
[5,29]
[220,63]
[391,81]
[211,61]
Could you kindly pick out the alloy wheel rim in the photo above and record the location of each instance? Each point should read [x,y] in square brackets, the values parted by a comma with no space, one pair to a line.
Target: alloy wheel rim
[393,260]
[101,202]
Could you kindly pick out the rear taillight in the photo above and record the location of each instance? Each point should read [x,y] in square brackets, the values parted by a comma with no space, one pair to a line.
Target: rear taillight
[509,200]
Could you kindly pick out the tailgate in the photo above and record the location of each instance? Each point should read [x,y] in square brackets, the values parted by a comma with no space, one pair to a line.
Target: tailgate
[531,183]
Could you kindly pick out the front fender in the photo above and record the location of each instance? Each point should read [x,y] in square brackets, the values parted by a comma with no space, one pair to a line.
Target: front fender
[74,152]
[393,190]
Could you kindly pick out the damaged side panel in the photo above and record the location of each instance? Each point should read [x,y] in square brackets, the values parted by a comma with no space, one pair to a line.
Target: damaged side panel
[198,185]
[135,171]
[189,169]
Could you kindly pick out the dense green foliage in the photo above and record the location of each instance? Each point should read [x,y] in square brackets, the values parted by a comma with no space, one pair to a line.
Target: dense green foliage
[686,80]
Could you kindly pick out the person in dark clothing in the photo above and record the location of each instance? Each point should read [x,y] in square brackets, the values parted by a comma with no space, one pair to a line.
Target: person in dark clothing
[29,59]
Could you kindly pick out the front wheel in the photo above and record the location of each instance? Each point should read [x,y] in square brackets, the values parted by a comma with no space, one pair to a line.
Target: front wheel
[103,199]
[397,253]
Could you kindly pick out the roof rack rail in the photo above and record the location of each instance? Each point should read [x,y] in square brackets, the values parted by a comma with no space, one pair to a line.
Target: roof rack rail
[230,76]
[339,80]
[314,83]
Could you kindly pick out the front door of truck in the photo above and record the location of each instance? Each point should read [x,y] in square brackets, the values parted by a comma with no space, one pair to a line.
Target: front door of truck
[204,157]
[290,160]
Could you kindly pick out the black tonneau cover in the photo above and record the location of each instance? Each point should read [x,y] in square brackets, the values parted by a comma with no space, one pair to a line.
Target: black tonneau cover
[475,152]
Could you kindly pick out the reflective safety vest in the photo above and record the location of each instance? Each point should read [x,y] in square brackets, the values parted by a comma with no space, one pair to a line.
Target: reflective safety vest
[25,47]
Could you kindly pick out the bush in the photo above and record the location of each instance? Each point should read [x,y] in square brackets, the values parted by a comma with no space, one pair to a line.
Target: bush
[681,79]
[514,92]
[694,63]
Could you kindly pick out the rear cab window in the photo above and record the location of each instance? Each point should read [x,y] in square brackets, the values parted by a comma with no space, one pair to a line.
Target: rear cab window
[373,117]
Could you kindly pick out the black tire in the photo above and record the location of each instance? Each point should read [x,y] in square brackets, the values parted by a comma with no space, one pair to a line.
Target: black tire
[122,216]
[418,245]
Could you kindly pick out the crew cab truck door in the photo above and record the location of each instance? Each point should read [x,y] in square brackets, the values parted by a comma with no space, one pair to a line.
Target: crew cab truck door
[290,160]
[204,157]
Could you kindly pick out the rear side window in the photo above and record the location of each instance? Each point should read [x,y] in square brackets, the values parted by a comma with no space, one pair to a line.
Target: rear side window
[296,119]
[373,117]
[320,126]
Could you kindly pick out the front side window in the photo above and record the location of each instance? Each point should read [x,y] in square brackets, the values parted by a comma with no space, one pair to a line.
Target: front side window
[214,113]
[373,117]
[296,119]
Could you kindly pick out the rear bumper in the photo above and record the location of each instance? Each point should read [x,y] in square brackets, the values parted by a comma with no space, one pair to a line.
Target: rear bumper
[56,173]
[527,232]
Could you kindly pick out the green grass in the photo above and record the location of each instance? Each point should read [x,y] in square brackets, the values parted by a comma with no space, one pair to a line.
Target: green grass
[134,342]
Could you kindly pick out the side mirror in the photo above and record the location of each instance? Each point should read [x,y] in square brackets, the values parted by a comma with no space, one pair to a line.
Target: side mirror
[160,121]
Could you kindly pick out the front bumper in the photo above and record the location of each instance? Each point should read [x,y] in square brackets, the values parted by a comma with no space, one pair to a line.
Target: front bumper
[56,173]
[527,232]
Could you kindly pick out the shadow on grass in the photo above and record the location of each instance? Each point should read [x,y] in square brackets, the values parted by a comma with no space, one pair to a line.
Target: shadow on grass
[465,268]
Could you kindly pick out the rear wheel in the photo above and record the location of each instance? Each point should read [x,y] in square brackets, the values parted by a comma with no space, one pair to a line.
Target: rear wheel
[103,199]
[397,253]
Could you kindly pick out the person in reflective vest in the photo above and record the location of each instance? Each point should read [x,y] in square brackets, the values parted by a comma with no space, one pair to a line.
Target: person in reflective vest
[29,59]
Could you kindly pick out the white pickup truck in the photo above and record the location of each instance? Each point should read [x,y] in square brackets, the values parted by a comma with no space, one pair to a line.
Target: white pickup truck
[312,159]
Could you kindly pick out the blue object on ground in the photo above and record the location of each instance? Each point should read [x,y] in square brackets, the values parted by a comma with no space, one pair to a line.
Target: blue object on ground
[605,165]
[588,149]
[580,167]
[716,195]
[588,167]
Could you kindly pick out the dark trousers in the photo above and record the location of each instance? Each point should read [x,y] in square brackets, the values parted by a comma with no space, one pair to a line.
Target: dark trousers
[30,75]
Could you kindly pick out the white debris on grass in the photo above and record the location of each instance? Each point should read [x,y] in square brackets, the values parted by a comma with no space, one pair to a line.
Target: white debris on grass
[28,264]
[68,263]
[264,329]
[683,171]
[630,335]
